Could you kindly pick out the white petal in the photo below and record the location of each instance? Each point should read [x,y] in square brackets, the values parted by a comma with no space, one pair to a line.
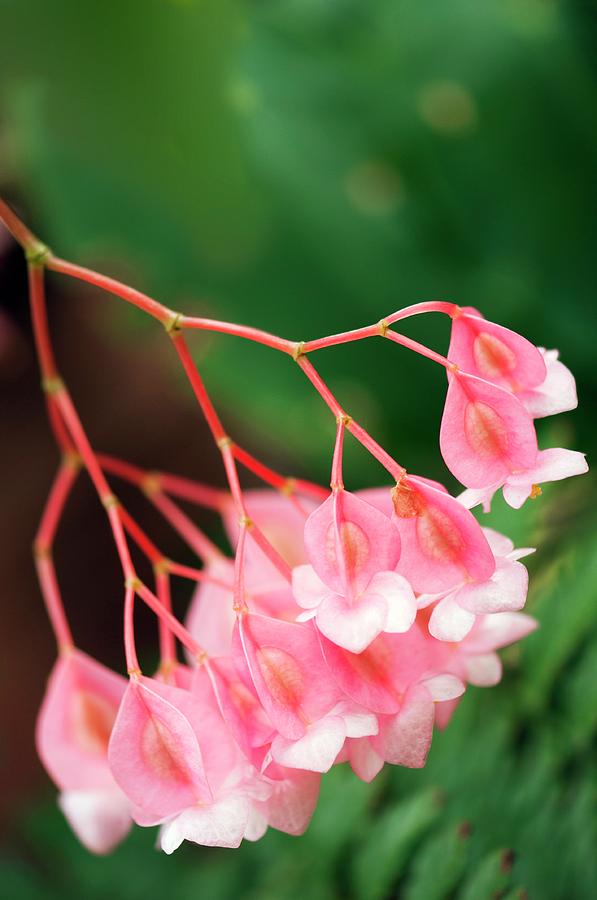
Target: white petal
[444,687]
[499,630]
[449,621]
[221,824]
[99,818]
[307,587]
[352,626]
[484,670]
[505,591]
[316,751]
[399,597]
[472,497]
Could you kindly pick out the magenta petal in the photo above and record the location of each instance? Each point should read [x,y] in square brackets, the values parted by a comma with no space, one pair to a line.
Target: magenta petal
[367,539]
[154,753]
[486,433]
[495,353]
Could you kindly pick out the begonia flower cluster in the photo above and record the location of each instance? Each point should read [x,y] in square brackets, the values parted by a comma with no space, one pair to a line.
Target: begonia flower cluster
[394,600]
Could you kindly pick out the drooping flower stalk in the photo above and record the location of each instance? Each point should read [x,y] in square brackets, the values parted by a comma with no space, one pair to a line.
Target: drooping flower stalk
[344,626]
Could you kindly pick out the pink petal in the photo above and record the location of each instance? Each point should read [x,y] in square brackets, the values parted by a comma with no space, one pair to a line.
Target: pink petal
[280,518]
[75,722]
[211,617]
[444,712]
[406,737]
[348,539]
[364,760]
[505,591]
[556,394]
[240,707]
[307,587]
[352,625]
[366,677]
[484,670]
[154,753]
[101,818]
[495,353]
[498,630]
[292,801]
[399,597]
[288,670]
[442,542]
[221,824]
[316,750]
[499,543]
[449,621]
[486,433]
[444,687]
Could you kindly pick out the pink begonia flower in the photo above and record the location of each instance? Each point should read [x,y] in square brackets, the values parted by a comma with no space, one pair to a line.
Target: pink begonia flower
[293,793]
[494,353]
[486,433]
[350,587]
[541,382]
[399,678]
[72,734]
[556,394]
[174,757]
[311,716]
[550,465]
[455,612]
[442,542]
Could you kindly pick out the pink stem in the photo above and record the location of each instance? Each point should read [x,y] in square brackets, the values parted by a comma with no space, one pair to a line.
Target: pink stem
[130,651]
[167,645]
[395,470]
[418,348]
[191,533]
[175,626]
[441,306]
[244,331]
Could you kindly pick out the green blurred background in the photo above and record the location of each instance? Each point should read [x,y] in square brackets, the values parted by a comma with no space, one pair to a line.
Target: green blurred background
[307,166]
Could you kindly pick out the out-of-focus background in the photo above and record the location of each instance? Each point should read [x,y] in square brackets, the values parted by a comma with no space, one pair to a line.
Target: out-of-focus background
[306,166]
